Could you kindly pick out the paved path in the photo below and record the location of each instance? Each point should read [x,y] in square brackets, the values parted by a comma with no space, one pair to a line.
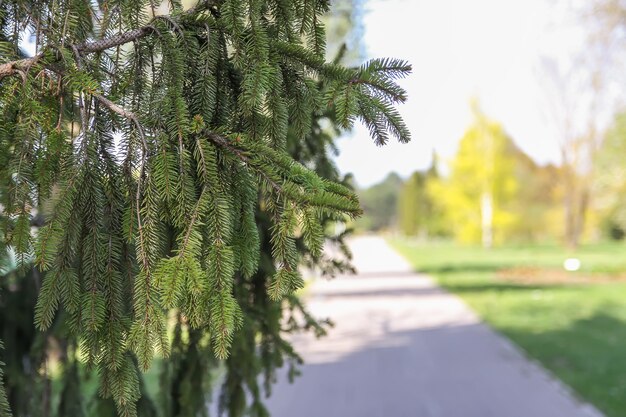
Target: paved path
[402,347]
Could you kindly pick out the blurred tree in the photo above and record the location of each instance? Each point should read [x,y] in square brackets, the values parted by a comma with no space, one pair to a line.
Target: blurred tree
[583,89]
[605,22]
[482,183]
[414,206]
[419,212]
[537,201]
[155,144]
[573,91]
[495,189]
[610,179]
[380,204]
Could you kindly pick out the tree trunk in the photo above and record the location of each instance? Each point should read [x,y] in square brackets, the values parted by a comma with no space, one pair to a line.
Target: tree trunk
[486,209]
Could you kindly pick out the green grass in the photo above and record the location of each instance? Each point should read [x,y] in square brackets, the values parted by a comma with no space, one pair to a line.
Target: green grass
[578,331]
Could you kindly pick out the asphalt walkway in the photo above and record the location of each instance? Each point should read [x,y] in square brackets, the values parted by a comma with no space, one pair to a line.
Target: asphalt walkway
[403,347]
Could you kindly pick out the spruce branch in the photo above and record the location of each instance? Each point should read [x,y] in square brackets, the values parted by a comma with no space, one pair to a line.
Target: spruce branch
[126,114]
[223,142]
[100,45]
[288,179]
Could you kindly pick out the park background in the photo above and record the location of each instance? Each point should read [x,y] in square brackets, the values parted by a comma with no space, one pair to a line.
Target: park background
[512,192]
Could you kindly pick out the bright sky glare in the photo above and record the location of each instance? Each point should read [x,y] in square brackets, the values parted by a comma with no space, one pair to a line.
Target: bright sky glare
[488,49]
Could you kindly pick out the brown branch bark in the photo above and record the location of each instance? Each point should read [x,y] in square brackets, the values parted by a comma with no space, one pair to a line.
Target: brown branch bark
[11,68]
[115,40]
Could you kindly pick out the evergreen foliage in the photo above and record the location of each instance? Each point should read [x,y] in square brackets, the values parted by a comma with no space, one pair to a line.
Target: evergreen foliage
[156,149]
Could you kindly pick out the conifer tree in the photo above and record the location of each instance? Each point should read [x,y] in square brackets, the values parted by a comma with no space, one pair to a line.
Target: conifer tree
[153,143]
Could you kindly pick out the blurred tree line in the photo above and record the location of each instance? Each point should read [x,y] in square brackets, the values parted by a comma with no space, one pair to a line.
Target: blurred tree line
[493,193]
[609,187]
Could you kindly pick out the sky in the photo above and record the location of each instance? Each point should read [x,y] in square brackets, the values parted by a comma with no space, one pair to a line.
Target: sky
[485,49]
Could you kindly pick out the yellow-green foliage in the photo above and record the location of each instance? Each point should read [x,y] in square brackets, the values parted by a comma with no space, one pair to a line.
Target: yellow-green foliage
[413,205]
[609,190]
[525,196]
[419,211]
[483,164]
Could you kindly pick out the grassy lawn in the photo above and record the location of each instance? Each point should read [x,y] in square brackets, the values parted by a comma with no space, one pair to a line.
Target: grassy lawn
[576,329]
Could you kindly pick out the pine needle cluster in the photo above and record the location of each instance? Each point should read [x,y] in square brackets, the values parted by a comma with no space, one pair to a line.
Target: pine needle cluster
[149,142]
